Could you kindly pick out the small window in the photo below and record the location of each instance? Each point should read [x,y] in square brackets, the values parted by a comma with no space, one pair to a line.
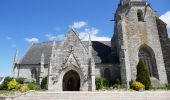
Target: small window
[140,16]
[33,73]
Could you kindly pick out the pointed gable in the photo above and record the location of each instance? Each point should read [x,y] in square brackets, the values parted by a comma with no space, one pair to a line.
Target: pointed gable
[71,45]
[72,39]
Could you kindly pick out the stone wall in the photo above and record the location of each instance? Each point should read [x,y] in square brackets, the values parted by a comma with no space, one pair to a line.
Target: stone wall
[165,44]
[25,72]
[132,34]
[114,69]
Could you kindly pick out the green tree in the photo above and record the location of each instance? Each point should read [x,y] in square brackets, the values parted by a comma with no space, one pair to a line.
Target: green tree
[5,83]
[143,74]
[44,83]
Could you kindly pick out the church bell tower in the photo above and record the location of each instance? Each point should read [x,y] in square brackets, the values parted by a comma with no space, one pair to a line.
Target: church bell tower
[136,37]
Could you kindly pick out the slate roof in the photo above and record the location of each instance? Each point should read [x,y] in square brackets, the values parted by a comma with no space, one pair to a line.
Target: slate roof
[101,52]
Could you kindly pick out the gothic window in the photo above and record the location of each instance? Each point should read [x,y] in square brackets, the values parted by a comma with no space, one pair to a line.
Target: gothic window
[107,73]
[147,55]
[140,16]
[33,73]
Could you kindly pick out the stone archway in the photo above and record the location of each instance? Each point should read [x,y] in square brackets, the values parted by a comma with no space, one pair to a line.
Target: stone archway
[71,81]
[147,55]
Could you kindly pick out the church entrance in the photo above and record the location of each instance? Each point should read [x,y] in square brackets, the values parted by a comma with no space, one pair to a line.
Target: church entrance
[71,81]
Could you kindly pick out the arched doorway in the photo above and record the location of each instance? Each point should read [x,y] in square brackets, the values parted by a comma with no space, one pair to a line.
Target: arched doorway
[71,81]
[147,55]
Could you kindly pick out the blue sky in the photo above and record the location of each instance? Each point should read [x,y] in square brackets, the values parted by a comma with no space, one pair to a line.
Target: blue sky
[26,21]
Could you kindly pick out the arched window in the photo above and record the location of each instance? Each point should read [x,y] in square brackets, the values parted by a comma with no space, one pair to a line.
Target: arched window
[148,56]
[107,73]
[33,73]
[140,16]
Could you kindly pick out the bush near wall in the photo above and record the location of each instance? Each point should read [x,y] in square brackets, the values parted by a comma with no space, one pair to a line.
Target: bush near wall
[137,86]
[101,82]
[20,80]
[13,84]
[44,83]
[32,86]
[143,74]
[24,89]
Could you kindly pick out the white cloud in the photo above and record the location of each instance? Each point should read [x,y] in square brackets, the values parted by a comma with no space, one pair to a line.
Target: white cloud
[166,18]
[8,38]
[78,24]
[57,29]
[13,45]
[32,40]
[93,34]
[54,37]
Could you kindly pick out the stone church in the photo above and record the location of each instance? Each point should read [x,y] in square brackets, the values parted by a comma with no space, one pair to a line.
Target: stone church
[72,64]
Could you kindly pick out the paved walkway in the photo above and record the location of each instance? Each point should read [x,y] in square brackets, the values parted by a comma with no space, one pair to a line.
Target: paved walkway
[123,95]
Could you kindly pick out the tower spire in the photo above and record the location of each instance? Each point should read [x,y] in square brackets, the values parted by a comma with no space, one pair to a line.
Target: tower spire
[15,62]
[16,58]
[124,2]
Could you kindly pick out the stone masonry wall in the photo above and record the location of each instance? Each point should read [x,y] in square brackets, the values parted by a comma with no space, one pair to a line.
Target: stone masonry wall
[136,34]
[165,44]
[114,69]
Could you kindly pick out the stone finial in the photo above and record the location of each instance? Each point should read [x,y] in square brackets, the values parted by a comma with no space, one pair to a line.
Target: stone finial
[42,58]
[54,44]
[16,58]
[90,42]
[42,68]
[15,62]
[90,47]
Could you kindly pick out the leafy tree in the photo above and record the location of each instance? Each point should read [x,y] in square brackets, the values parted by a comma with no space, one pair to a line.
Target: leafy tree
[143,74]
[5,83]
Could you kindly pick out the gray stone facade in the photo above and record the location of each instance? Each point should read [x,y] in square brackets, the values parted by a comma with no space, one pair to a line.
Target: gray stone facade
[136,29]
[138,34]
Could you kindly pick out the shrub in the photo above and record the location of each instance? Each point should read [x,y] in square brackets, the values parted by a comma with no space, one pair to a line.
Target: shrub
[143,75]
[167,86]
[116,86]
[44,83]
[12,84]
[31,86]
[117,81]
[137,86]
[24,89]
[18,86]
[20,80]
[5,83]
[119,86]
[98,83]
[101,83]
[105,82]
[1,87]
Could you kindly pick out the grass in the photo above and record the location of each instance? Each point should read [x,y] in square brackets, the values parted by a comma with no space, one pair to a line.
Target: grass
[9,92]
